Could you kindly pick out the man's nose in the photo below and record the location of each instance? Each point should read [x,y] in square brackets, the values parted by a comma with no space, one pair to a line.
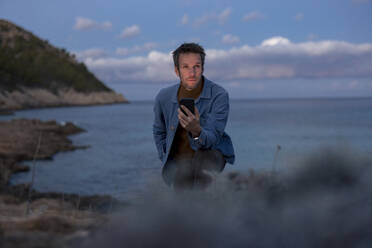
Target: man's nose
[192,71]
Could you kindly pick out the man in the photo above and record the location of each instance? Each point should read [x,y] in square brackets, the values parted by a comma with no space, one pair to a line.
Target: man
[191,146]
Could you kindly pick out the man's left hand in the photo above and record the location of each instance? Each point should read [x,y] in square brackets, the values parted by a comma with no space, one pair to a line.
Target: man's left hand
[190,122]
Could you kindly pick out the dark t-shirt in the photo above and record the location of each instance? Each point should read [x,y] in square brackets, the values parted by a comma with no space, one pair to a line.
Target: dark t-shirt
[181,148]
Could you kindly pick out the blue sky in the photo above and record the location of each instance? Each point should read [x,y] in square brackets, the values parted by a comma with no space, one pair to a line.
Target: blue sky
[255,49]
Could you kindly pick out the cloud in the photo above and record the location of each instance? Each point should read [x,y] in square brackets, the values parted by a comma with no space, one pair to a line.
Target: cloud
[274,58]
[251,16]
[275,41]
[221,18]
[203,19]
[224,15]
[299,16]
[106,25]
[82,23]
[278,58]
[124,51]
[230,39]
[130,32]
[92,53]
[155,67]
[185,19]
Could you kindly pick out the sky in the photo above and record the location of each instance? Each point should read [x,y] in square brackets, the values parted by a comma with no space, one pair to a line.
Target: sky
[255,49]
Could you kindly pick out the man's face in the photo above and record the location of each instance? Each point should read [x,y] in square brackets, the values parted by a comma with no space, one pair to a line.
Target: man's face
[190,71]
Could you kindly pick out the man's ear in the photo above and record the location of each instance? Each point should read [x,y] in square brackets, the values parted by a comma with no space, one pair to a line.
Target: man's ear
[177,71]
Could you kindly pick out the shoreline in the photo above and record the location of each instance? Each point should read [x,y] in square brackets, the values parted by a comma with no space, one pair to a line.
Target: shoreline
[11,112]
[54,217]
[29,98]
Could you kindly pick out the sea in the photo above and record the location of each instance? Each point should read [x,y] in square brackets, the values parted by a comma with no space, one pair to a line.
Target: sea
[267,134]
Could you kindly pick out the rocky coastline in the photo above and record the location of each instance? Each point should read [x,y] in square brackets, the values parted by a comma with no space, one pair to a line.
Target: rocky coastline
[28,98]
[33,219]
[36,74]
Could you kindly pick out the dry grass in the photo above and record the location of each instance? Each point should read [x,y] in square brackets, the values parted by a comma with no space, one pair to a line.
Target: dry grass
[46,215]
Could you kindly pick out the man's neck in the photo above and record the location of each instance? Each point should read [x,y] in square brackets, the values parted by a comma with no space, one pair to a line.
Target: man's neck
[193,93]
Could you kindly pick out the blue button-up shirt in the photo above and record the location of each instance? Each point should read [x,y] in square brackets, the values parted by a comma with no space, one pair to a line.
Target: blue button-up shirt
[213,106]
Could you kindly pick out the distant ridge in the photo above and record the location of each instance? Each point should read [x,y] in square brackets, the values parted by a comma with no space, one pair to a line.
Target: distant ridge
[33,74]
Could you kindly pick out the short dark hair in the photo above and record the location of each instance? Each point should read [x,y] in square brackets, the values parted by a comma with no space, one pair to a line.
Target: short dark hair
[188,48]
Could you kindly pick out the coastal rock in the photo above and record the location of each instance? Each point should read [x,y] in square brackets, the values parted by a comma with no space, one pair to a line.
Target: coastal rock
[43,219]
[41,98]
[7,168]
[96,203]
[23,139]
[51,223]
[20,139]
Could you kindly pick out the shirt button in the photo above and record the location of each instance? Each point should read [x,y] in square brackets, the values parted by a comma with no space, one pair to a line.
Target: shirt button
[172,128]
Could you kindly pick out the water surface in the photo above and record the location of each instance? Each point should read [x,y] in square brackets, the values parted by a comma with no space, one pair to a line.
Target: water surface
[122,155]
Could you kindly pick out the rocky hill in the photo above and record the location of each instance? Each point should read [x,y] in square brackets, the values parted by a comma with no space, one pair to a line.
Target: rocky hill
[33,74]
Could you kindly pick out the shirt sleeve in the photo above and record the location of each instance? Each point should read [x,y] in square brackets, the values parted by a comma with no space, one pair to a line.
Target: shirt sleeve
[214,126]
[159,129]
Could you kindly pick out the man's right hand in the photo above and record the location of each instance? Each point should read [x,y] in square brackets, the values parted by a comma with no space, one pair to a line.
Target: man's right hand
[190,122]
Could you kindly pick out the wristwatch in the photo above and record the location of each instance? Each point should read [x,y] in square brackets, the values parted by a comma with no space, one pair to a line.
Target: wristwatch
[195,138]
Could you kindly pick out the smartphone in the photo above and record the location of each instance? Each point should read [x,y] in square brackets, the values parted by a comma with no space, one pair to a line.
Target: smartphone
[188,103]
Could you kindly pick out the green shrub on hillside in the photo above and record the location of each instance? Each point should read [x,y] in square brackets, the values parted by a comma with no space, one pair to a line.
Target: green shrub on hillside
[34,63]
